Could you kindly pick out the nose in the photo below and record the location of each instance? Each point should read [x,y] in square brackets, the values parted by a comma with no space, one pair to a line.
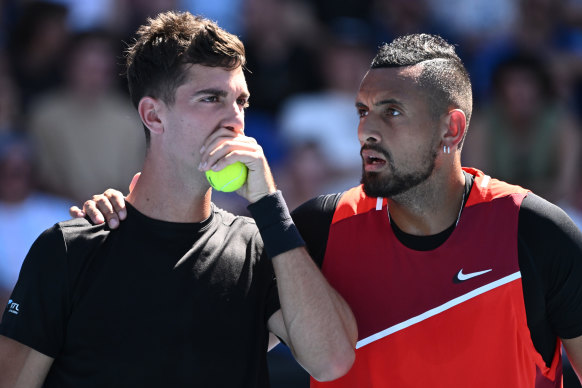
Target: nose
[235,119]
[367,131]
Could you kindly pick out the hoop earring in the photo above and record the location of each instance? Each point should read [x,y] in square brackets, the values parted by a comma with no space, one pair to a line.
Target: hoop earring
[446,149]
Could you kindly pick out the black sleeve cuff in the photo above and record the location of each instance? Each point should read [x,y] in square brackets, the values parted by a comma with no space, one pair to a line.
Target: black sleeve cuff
[277,229]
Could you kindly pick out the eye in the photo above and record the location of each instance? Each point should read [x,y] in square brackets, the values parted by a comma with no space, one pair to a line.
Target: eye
[362,112]
[210,99]
[243,102]
[393,112]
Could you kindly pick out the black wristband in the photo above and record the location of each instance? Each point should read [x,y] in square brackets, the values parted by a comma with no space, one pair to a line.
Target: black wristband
[277,229]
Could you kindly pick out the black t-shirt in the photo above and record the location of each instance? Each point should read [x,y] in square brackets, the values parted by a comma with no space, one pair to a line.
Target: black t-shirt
[150,304]
[549,254]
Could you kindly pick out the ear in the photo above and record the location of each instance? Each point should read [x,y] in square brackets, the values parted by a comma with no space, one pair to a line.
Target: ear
[134,181]
[149,110]
[456,125]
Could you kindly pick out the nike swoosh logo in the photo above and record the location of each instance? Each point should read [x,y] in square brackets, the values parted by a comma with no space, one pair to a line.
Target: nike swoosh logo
[461,277]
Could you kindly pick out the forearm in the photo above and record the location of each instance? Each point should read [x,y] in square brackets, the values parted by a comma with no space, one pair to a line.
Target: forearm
[21,366]
[574,350]
[316,323]
[320,326]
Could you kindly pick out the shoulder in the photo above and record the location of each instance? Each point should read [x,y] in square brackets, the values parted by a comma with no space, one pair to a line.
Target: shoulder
[48,257]
[81,226]
[549,236]
[313,219]
[540,217]
[316,211]
[550,250]
[485,189]
[235,227]
[321,205]
[228,219]
[78,236]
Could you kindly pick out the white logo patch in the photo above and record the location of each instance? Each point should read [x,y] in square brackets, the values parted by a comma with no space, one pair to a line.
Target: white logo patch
[13,307]
[465,276]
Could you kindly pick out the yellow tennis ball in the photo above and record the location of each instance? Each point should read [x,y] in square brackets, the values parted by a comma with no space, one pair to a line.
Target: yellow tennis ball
[230,178]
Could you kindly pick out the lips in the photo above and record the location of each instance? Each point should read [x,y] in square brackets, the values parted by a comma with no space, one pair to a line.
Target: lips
[373,160]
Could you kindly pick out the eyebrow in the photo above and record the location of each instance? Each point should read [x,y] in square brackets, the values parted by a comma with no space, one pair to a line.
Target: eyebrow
[217,92]
[379,103]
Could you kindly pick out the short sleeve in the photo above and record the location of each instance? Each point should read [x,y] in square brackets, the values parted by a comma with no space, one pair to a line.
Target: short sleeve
[36,313]
[554,244]
[313,219]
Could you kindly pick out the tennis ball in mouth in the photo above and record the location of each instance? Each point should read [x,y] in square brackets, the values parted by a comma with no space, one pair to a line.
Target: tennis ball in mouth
[230,178]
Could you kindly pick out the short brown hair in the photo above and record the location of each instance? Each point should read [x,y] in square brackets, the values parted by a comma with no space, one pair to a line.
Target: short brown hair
[165,44]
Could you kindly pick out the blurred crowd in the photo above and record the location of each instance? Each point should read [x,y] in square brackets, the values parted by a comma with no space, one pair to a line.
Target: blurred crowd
[68,130]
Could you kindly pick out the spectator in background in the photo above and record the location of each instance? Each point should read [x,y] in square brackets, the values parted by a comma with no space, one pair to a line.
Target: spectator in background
[24,211]
[526,135]
[547,28]
[10,112]
[473,22]
[282,37]
[327,117]
[394,18]
[327,11]
[305,172]
[85,15]
[86,134]
[36,45]
[228,12]
[128,15]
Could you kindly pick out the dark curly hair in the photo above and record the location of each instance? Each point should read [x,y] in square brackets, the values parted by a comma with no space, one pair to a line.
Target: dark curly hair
[443,77]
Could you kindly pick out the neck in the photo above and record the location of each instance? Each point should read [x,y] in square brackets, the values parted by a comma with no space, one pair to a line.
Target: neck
[431,207]
[162,196]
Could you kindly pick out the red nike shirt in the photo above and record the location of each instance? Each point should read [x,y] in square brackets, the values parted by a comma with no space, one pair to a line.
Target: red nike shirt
[450,317]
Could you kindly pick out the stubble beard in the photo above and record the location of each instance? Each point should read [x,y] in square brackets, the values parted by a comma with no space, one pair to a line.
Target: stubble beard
[396,182]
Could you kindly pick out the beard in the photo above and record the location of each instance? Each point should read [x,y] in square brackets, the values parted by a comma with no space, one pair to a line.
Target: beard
[397,182]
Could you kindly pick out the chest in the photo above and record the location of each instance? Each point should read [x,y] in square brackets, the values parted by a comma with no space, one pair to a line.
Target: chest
[164,291]
[388,284]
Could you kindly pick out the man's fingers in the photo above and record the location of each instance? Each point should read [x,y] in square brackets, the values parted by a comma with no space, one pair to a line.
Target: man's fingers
[75,212]
[233,149]
[117,201]
[90,209]
[99,209]
[104,205]
[109,206]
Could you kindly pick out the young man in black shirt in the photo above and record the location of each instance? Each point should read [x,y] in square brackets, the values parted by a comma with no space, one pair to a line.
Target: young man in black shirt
[183,294]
